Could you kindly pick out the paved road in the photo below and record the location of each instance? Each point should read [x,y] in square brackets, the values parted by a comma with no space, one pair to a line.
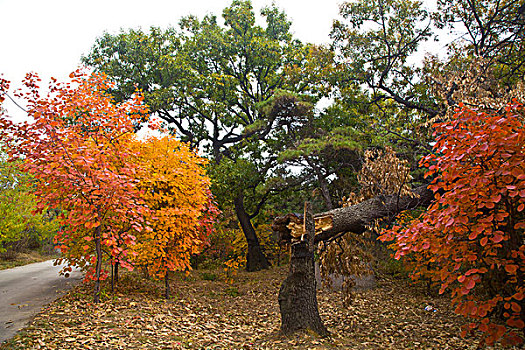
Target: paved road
[24,290]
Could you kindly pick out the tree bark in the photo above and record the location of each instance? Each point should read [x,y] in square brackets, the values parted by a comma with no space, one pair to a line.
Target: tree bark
[298,293]
[355,218]
[297,296]
[255,258]
[167,285]
[323,185]
[98,266]
[116,271]
[112,278]
[114,275]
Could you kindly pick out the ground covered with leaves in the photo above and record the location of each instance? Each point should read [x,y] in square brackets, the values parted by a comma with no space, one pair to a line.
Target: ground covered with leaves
[205,312]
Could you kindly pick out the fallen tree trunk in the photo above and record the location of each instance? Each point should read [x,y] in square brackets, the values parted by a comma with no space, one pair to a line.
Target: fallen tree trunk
[355,218]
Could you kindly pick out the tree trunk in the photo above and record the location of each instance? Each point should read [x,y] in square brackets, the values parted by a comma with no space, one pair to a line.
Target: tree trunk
[116,271]
[323,185]
[114,275]
[112,278]
[255,258]
[298,293]
[297,297]
[167,285]
[355,218]
[98,266]
[326,193]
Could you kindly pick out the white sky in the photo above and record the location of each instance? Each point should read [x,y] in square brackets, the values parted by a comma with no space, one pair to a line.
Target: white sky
[49,36]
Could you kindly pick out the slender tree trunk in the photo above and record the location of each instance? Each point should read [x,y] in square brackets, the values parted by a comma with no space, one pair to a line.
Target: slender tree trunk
[112,278]
[255,258]
[323,185]
[167,285]
[116,271]
[114,275]
[145,272]
[326,194]
[298,293]
[98,266]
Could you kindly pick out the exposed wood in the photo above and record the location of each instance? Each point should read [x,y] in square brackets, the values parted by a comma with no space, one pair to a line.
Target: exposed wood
[322,223]
[354,218]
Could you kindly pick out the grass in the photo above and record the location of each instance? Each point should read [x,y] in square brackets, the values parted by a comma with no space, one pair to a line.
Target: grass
[25,258]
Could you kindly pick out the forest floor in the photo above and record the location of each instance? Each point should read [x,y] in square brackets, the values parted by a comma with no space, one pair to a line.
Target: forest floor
[205,312]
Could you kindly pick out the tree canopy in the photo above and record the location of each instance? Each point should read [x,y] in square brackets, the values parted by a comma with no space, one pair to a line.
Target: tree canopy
[209,83]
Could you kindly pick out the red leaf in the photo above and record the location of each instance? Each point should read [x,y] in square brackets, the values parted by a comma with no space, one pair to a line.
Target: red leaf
[470,283]
[497,238]
[515,307]
[484,241]
[511,269]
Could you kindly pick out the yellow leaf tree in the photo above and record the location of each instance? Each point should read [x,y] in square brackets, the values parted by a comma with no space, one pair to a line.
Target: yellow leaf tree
[176,189]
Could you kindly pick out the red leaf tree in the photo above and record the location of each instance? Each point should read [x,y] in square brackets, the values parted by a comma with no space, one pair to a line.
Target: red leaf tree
[470,241]
[77,149]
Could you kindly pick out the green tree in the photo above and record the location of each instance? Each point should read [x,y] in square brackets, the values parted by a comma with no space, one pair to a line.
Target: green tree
[379,83]
[375,41]
[17,203]
[492,29]
[208,82]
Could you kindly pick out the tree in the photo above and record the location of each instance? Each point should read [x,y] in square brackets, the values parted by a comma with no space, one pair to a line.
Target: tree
[77,149]
[176,189]
[328,226]
[208,82]
[374,46]
[17,203]
[375,43]
[470,240]
[320,144]
[491,29]
[298,293]
[379,84]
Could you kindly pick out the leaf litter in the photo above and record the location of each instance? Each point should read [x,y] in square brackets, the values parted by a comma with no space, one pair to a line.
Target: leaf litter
[204,314]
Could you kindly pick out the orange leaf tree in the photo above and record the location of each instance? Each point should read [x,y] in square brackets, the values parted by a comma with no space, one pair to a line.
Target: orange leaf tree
[176,189]
[77,149]
[470,241]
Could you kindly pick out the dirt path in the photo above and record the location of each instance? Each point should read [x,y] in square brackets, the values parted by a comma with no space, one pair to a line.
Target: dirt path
[24,290]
